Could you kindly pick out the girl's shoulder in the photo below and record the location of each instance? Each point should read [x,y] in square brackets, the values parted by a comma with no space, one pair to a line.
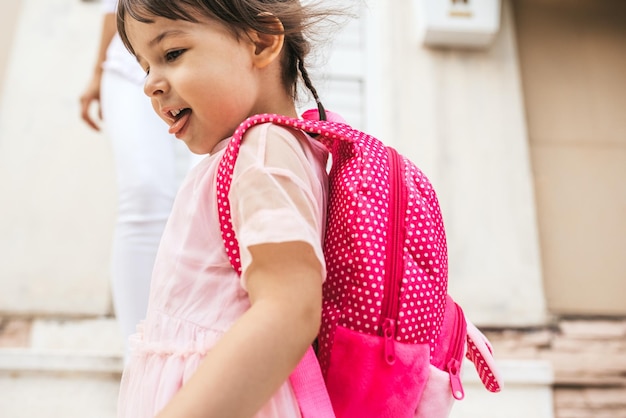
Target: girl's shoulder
[277,146]
[269,134]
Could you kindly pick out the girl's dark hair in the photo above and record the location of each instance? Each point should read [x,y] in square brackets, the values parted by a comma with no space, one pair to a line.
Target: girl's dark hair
[242,15]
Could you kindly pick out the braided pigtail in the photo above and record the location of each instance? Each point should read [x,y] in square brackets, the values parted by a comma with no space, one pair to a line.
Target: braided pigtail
[309,85]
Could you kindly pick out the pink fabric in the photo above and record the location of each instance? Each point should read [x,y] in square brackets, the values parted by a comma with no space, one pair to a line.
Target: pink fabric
[437,396]
[310,389]
[380,331]
[195,295]
[357,250]
[362,384]
[313,114]
[448,340]
[480,352]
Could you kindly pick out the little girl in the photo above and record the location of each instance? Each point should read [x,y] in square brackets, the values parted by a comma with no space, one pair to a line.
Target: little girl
[214,344]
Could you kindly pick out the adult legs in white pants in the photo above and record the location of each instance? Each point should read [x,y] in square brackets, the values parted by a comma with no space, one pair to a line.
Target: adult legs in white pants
[148,169]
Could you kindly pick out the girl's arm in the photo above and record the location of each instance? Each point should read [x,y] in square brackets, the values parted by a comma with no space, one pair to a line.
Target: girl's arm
[255,357]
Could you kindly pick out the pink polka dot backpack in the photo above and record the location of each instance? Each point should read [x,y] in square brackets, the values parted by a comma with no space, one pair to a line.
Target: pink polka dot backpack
[392,340]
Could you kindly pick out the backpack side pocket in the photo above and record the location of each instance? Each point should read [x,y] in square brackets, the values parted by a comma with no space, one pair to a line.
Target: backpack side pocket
[444,381]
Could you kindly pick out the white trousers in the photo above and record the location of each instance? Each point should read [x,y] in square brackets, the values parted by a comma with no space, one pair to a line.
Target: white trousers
[149,165]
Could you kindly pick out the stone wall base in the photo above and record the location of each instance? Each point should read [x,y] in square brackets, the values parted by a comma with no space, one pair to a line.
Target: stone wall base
[588,357]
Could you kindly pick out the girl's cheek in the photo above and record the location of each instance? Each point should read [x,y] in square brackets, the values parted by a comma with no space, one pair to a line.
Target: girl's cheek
[155,107]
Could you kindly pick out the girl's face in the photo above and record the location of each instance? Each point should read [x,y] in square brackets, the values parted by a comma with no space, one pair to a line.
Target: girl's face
[202,80]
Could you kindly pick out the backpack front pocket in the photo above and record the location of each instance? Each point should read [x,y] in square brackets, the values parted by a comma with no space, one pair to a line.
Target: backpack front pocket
[362,383]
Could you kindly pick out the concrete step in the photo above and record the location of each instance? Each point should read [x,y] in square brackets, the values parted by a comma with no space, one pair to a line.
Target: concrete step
[56,383]
[527,392]
[71,368]
[60,368]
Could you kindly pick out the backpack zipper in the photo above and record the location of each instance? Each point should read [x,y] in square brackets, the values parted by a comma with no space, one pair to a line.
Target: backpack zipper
[393,282]
[393,267]
[454,364]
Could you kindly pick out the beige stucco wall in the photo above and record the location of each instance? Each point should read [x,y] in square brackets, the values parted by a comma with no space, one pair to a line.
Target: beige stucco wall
[56,179]
[460,116]
[8,18]
[573,57]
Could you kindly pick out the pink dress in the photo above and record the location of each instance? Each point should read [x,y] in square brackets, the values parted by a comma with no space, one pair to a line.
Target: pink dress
[278,195]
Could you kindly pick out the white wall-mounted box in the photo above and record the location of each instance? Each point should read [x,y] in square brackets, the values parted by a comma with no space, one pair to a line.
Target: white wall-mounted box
[458,23]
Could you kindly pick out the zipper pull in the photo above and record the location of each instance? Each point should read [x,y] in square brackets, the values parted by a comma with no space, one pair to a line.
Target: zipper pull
[389,332]
[454,370]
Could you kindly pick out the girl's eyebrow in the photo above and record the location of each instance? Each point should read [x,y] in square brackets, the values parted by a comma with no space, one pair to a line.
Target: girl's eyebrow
[165,34]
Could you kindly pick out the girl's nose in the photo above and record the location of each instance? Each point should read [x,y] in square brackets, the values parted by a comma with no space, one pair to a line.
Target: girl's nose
[155,85]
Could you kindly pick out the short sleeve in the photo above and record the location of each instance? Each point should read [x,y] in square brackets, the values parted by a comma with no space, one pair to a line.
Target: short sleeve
[278,193]
[109,6]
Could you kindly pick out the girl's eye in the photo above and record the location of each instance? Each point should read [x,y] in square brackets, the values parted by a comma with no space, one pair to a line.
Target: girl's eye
[172,55]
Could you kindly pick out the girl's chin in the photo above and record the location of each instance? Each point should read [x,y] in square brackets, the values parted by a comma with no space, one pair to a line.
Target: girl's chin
[201,147]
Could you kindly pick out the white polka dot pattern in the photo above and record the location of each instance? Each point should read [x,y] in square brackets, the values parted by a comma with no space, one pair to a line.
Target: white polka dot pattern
[356,245]
[483,369]
[385,244]
[480,353]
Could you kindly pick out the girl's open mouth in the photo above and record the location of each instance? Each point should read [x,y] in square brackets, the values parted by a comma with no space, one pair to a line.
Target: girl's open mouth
[181,117]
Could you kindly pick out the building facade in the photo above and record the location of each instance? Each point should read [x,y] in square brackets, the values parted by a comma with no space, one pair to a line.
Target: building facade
[524,140]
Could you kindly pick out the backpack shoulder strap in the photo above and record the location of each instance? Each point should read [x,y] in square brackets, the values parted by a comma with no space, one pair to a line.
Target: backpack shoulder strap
[306,380]
[329,133]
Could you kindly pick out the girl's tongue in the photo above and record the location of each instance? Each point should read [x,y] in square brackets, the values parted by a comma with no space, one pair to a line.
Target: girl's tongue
[181,120]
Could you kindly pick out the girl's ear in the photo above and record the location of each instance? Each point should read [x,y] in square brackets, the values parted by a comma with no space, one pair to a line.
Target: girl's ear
[266,47]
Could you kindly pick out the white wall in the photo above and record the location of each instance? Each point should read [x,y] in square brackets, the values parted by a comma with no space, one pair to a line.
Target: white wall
[10,11]
[460,116]
[56,178]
